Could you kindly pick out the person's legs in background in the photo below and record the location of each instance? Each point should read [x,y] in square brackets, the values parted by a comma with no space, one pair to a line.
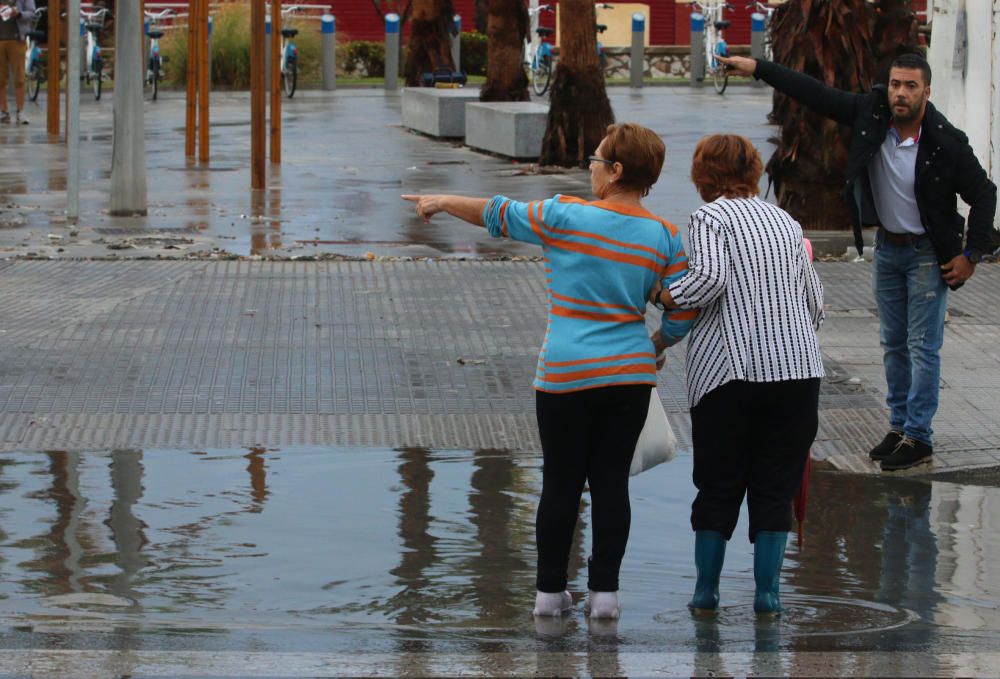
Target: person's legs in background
[889,283]
[4,65]
[16,61]
[927,302]
[785,420]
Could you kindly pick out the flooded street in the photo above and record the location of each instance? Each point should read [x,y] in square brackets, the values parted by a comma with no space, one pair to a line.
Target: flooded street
[428,556]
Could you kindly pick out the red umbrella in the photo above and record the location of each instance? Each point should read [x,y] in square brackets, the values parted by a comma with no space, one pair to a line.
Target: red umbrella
[799,504]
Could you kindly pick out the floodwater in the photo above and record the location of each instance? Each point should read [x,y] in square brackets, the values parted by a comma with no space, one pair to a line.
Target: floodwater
[412,551]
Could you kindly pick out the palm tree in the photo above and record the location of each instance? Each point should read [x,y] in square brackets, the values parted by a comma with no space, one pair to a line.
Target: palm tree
[839,42]
[507,26]
[429,47]
[579,112]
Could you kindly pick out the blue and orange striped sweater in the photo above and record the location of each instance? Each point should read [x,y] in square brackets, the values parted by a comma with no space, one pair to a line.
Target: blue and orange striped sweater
[601,260]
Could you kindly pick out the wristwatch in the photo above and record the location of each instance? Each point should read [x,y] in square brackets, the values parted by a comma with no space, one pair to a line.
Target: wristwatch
[658,301]
[973,255]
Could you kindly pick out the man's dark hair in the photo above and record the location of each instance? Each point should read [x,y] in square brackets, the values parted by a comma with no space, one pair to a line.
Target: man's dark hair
[911,60]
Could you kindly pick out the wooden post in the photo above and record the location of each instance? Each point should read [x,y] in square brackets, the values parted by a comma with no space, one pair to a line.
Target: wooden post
[203,127]
[190,121]
[258,99]
[52,105]
[275,81]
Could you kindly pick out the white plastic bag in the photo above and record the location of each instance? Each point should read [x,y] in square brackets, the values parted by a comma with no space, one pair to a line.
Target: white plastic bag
[657,442]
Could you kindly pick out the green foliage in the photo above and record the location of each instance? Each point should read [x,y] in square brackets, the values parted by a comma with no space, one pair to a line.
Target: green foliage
[231,49]
[361,56]
[473,56]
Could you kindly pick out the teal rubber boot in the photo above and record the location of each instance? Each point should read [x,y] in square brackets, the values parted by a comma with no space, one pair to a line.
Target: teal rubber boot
[768,555]
[709,553]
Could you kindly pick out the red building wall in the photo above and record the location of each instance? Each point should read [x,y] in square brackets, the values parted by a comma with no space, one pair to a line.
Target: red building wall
[669,22]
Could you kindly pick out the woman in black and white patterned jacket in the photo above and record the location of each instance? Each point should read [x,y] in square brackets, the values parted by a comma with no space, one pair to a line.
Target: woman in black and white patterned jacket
[753,362]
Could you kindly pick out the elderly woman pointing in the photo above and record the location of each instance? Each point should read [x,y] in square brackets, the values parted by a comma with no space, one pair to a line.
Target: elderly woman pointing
[597,363]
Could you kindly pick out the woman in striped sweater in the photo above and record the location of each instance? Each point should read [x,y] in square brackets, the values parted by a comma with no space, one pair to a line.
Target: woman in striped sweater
[753,362]
[597,364]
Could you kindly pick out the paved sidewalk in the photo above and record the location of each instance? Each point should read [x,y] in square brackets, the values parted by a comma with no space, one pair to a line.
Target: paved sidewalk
[141,354]
[414,348]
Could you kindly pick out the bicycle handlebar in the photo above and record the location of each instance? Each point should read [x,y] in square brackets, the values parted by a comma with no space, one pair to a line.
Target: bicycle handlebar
[540,8]
[90,15]
[160,15]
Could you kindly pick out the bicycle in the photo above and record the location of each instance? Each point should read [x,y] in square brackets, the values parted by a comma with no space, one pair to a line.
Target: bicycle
[715,42]
[94,71]
[34,74]
[289,54]
[154,67]
[538,53]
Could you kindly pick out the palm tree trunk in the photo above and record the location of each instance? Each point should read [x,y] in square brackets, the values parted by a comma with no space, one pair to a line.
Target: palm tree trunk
[506,30]
[579,110]
[430,40]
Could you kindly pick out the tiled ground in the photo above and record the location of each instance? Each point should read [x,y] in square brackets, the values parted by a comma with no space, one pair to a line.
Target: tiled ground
[387,353]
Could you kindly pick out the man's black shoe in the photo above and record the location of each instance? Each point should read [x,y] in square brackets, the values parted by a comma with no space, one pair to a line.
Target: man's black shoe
[909,453]
[884,449]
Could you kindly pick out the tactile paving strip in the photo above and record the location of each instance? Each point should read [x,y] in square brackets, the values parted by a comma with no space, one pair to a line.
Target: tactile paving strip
[387,353]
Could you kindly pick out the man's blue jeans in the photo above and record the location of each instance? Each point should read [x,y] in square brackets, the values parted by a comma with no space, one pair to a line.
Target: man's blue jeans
[912,299]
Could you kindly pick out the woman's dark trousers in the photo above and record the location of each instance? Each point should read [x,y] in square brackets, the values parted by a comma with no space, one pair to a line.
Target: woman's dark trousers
[753,438]
[587,437]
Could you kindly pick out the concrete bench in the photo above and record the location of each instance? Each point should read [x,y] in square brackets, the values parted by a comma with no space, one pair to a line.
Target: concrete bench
[437,112]
[513,129]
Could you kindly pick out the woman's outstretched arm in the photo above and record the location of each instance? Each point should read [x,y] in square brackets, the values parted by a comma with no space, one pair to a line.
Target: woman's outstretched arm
[466,209]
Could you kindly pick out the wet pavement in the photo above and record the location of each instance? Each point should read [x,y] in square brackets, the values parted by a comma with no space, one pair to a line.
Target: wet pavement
[244,467]
[415,562]
[346,159]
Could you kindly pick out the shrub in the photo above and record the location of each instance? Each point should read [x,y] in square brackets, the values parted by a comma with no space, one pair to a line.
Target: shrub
[361,57]
[473,55]
[231,49]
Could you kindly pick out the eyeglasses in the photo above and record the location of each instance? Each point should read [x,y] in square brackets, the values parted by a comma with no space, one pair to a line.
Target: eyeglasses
[595,159]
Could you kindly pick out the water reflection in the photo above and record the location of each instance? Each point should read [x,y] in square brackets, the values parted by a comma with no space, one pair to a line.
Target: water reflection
[430,552]
[55,566]
[497,568]
[413,602]
[258,479]
[127,533]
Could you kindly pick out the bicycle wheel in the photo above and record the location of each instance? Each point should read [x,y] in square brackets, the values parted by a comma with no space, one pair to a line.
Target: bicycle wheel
[96,80]
[155,78]
[720,78]
[289,78]
[34,81]
[541,74]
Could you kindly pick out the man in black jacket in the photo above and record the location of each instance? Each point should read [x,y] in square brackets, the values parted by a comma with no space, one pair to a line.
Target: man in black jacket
[906,165]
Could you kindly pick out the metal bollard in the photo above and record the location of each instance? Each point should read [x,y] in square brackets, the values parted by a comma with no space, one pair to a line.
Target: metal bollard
[328,29]
[209,52]
[638,54]
[391,52]
[757,42]
[73,62]
[456,43]
[697,49]
[267,53]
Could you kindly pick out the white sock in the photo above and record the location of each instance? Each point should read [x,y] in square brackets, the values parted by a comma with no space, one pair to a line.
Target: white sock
[552,604]
[602,605]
